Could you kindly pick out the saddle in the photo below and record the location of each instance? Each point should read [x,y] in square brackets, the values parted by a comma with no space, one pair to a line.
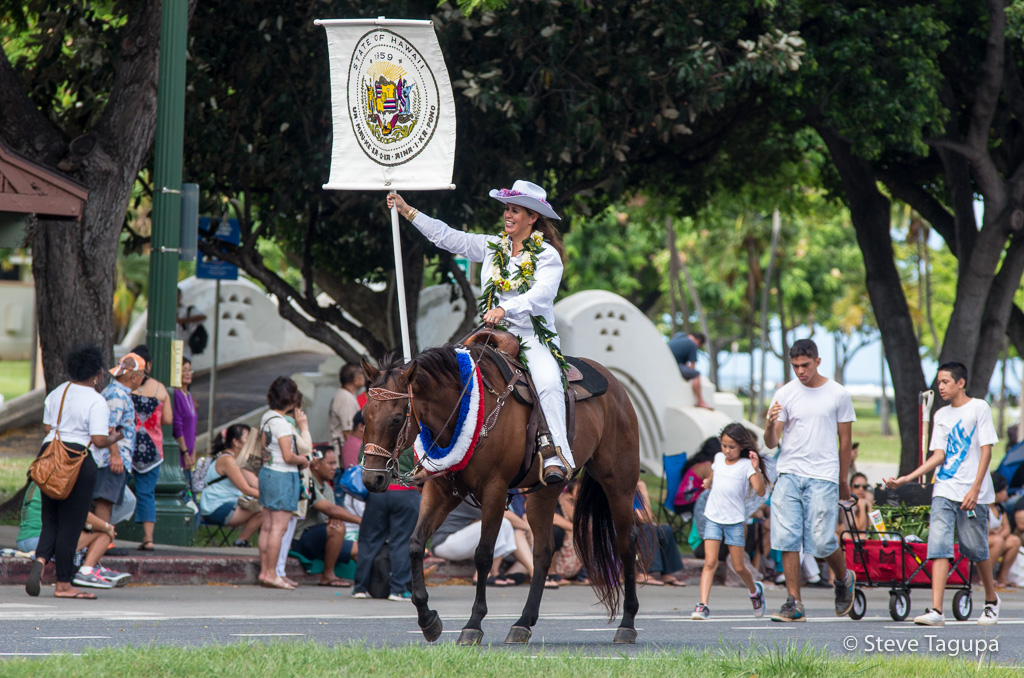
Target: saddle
[583,379]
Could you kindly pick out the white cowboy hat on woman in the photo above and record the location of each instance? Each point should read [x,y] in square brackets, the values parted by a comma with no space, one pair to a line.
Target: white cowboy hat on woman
[526,194]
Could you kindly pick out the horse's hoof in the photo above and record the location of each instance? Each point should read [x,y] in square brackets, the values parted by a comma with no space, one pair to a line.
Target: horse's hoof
[624,636]
[432,629]
[470,637]
[518,635]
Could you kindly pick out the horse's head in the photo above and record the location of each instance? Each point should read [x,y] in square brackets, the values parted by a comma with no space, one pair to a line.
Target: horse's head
[389,420]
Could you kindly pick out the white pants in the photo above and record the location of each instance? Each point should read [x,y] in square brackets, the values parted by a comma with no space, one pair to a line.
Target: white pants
[286,545]
[548,379]
[462,544]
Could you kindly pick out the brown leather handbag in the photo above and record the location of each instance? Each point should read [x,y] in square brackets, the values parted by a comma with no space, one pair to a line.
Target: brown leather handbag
[55,470]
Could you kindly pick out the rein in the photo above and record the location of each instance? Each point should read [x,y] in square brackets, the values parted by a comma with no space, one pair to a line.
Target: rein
[375,450]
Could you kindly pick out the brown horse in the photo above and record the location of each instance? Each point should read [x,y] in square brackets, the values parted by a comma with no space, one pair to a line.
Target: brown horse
[425,393]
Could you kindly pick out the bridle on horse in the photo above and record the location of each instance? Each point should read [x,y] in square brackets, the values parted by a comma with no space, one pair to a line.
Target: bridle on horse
[374,450]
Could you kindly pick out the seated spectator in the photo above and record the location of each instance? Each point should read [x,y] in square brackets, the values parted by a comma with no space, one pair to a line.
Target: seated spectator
[664,558]
[1002,544]
[694,472]
[459,535]
[519,572]
[861,489]
[565,562]
[227,486]
[321,534]
[95,539]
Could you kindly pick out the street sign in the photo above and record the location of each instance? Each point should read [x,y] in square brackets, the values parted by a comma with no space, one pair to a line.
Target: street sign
[211,268]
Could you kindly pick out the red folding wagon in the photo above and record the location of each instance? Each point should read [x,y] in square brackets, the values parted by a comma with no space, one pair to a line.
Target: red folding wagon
[890,561]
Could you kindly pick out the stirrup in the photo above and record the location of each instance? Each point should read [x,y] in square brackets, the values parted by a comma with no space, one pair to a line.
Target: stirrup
[552,475]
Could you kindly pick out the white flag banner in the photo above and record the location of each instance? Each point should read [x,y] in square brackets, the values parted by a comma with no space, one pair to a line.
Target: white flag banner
[392,105]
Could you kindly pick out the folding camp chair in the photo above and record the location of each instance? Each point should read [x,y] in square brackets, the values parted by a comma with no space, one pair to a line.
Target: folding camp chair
[220,535]
[672,474]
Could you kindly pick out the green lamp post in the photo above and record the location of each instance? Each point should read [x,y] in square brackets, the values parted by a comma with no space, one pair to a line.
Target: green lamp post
[174,520]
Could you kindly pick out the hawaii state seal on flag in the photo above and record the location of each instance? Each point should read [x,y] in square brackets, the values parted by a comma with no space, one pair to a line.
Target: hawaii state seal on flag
[393,98]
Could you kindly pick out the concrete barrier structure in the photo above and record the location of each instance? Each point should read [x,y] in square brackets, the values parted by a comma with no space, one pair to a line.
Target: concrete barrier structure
[605,327]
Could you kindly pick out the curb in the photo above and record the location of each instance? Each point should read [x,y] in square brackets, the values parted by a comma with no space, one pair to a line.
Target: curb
[191,570]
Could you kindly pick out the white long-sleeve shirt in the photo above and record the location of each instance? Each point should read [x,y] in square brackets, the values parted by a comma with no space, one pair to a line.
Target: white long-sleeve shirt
[539,300]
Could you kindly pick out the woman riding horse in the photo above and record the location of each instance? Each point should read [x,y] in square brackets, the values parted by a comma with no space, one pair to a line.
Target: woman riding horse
[521,271]
[445,398]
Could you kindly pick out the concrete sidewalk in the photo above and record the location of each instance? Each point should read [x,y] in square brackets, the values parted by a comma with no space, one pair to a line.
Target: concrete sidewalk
[183,565]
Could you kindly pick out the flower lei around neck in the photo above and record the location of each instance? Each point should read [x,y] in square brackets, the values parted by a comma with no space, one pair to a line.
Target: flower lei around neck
[503,280]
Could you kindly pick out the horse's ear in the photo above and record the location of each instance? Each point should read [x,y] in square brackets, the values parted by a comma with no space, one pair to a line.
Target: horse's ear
[409,374]
[370,371]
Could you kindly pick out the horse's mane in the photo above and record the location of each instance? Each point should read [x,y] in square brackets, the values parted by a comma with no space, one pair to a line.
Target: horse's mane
[437,364]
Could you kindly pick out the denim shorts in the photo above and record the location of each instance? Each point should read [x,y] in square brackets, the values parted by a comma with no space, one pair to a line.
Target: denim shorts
[732,534]
[279,490]
[222,514]
[804,515]
[972,532]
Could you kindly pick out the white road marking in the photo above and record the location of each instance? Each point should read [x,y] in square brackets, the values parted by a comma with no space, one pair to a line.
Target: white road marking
[262,635]
[72,637]
[758,628]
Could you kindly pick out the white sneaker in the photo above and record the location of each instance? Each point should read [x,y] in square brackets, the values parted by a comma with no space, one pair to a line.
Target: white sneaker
[931,617]
[360,594]
[700,613]
[780,578]
[990,615]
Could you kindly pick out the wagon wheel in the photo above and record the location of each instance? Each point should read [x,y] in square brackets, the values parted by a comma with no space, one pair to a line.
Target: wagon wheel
[860,605]
[962,605]
[899,605]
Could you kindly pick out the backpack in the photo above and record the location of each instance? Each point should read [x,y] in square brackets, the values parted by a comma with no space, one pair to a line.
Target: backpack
[199,473]
[380,574]
[198,339]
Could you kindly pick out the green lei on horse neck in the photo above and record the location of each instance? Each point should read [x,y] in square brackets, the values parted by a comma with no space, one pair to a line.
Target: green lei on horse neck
[503,280]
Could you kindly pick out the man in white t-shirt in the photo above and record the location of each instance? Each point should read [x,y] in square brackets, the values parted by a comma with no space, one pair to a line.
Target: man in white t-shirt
[345,405]
[809,414]
[962,441]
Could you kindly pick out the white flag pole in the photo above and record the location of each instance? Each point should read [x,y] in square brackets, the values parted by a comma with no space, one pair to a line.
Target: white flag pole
[403,313]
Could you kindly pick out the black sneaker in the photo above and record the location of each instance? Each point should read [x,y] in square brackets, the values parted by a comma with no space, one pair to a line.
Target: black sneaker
[792,611]
[844,593]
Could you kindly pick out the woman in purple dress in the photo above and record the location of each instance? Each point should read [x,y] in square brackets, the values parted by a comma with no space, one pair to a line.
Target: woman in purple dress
[185,421]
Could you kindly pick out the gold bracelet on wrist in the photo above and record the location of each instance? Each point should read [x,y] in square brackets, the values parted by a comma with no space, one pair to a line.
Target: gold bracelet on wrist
[412,213]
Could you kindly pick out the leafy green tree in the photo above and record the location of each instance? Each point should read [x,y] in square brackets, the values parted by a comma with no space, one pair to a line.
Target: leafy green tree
[78,94]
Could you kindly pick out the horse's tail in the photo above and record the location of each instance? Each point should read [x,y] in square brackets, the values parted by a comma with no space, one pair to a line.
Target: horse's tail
[594,538]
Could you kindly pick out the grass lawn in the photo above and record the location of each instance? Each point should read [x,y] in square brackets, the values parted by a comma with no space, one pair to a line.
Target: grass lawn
[286,659]
[14,378]
[12,474]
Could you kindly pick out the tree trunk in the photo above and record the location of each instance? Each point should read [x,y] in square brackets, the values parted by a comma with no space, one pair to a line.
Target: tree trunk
[74,263]
[869,210]
[675,288]
[784,330]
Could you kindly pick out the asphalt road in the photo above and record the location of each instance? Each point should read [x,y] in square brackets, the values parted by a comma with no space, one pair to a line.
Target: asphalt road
[570,621]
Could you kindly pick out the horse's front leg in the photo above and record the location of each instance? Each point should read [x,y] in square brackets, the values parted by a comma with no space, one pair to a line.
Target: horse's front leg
[435,505]
[492,512]
[540,509]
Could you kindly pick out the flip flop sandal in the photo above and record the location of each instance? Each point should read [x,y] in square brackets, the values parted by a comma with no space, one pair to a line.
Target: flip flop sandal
[336,583]
[143,547]
[516,579]
[277,584]
[81,595]
[34,576]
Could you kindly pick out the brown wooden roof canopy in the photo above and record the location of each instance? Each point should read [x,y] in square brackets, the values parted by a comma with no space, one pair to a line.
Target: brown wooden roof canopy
[29,188]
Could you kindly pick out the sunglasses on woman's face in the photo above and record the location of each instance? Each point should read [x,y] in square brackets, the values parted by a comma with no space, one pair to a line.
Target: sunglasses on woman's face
[860,486]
